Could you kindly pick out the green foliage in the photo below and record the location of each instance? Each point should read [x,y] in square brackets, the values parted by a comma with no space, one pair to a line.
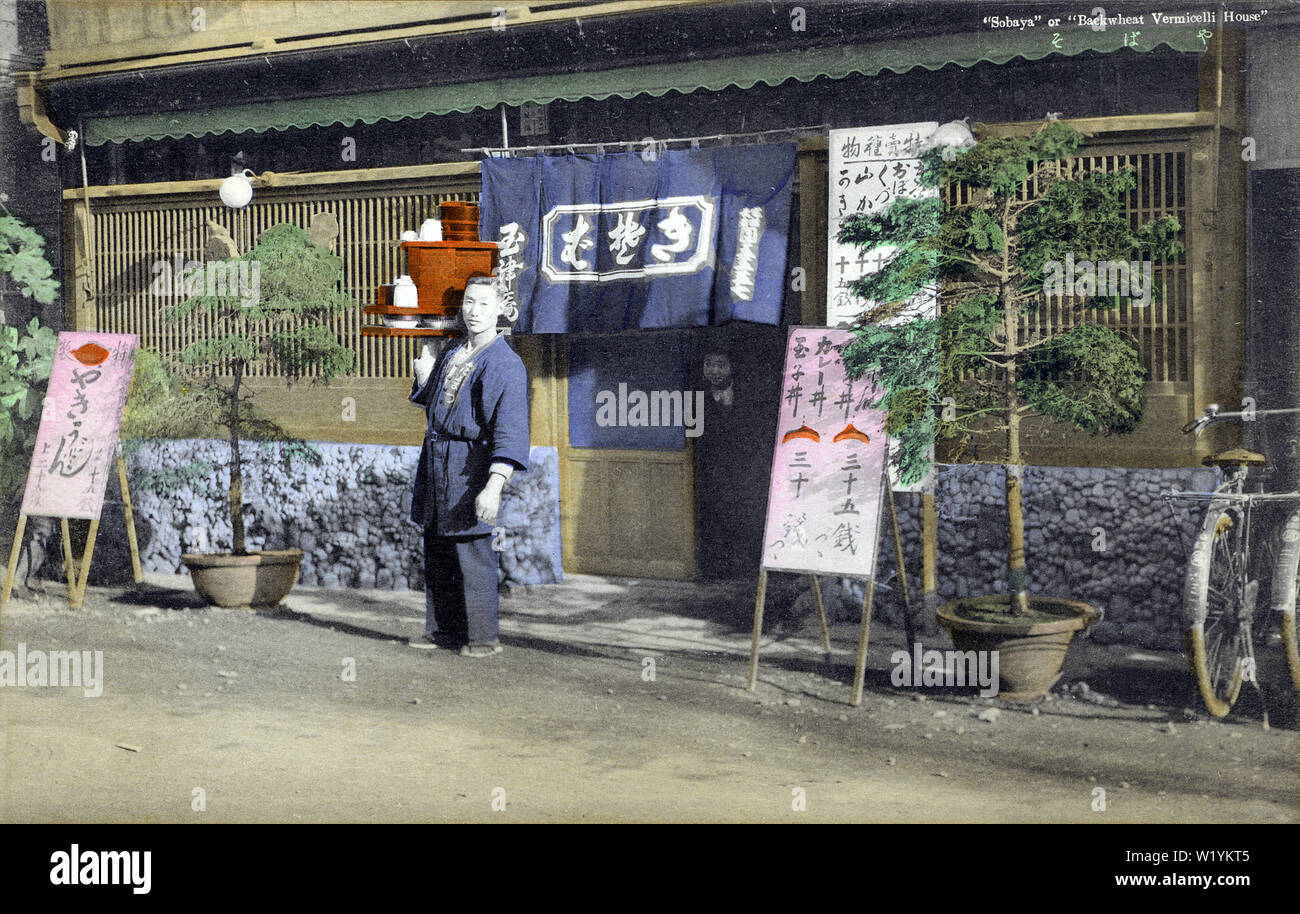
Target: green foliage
[907,221]
[229,347]
[161,405]
[25,361]
[909,271]
[284,326]
[26,355]
[312,345]
[1021,209]
[970,230]
[932,166]
[1086,218]
[911,226]
[1090,377]
[906,357]
[275,312]
[22,259]
[966,331]
[1055,140]
[1160,238]
[1002,165]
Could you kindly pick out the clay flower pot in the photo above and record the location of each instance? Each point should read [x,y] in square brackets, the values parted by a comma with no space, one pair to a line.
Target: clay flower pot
[1030,654]
[259,580]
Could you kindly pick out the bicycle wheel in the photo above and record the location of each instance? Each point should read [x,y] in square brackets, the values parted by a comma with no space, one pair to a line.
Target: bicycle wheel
[1286,579]
[1217,634]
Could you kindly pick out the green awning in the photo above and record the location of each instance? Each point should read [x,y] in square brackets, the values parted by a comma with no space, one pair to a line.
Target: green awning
[931,53]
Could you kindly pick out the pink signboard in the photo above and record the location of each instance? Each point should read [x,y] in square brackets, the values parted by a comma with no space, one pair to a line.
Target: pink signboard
[825,495]
[77,441]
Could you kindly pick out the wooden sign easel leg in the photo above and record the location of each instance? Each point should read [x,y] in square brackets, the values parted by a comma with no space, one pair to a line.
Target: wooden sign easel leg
[85,563]
[860,668]
[79,573]
[14,552]
[821,615]
[69,566]
[864,633]
[129,513]
[901,563]
[758,628]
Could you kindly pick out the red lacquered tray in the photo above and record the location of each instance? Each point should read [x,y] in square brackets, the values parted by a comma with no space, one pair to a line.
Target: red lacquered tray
[382,310]
[407,331]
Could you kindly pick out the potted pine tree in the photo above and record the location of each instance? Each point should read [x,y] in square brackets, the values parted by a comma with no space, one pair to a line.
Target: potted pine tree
[1030,218]
[274,311]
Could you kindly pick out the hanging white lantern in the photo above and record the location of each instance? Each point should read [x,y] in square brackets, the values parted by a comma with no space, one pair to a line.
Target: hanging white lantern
[953,137]
[237,190]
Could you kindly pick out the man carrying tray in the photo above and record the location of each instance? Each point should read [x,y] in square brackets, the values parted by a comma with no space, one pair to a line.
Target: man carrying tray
[476,397]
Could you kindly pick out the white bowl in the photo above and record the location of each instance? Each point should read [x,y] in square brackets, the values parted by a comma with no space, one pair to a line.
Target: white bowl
[405,323]
[439,323]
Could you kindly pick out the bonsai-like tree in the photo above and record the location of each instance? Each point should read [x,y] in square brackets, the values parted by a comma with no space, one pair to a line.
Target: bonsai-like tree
[274,312]
[1027,211]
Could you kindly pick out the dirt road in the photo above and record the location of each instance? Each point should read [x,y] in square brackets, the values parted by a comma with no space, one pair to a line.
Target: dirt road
[320,713]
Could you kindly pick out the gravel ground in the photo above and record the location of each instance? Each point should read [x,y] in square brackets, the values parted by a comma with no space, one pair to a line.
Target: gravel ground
[319,712]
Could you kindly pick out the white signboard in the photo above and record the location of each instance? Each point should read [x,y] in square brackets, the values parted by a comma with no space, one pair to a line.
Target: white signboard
[870,168]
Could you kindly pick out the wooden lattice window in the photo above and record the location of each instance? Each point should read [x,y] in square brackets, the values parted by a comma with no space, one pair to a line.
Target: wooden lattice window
[132,235]
[1162,328]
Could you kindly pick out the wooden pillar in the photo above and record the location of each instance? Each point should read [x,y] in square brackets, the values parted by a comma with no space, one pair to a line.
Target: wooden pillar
[1216,224]
[79,276]
[812,229]
[929,562]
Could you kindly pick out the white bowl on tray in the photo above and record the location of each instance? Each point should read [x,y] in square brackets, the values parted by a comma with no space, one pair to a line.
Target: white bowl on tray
[440,323]
[403,323]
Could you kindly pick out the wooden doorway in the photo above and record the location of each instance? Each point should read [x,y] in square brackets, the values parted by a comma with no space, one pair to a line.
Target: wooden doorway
[622,512]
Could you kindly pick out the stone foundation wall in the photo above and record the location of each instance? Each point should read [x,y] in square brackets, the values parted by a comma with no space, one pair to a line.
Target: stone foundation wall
[349,515]
[1098,534]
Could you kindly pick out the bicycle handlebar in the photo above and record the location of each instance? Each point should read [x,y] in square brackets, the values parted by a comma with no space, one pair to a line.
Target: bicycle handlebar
[1214,413]
[1211,413]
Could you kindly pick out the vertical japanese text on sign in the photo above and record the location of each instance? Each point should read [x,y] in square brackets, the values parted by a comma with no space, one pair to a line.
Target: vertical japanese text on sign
[828,463]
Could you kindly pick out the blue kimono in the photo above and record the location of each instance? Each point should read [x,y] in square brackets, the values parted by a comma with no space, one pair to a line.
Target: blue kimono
[487,424]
